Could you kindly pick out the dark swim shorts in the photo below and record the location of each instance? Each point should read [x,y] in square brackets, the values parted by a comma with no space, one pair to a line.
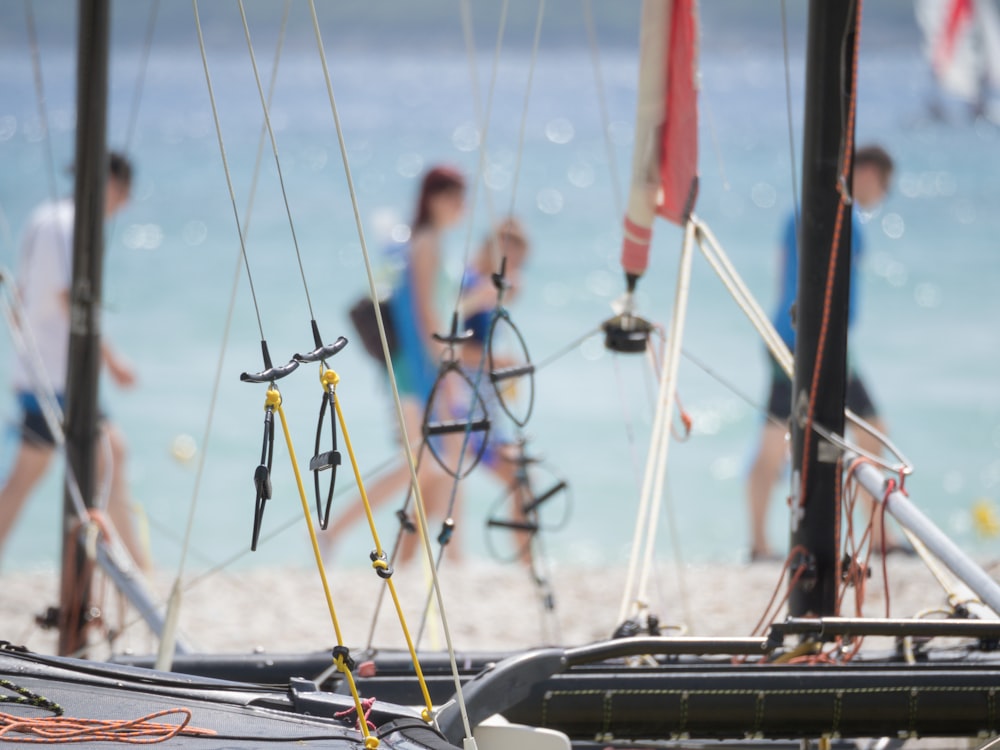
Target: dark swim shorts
[779,404]
[34,429]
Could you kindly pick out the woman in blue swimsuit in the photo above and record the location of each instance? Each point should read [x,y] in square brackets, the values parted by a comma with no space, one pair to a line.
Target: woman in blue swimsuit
[416,356]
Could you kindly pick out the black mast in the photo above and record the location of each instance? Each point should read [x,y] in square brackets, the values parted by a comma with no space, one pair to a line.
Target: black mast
[85,304]
[832,49]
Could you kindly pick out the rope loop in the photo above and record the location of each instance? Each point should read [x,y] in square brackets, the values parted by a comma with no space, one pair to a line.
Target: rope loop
[51,730]
[350,715]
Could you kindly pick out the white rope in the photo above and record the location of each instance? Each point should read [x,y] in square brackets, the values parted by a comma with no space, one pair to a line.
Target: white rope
[674,530]
[420,508]
[668,394]
[633,598]
[744,299]
[168,637]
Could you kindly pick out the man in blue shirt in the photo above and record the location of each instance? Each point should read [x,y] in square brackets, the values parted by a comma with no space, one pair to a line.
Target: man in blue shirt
[872,174]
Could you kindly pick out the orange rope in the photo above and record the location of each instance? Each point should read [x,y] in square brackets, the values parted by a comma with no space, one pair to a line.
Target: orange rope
[56,729]
[768,614]
[845,172]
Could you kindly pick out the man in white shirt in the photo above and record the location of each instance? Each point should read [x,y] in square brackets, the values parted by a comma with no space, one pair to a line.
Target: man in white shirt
[43,282]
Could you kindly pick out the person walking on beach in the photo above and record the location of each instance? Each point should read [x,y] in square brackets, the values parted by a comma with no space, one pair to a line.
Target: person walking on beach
[43,283]
[415,317]
[873,168]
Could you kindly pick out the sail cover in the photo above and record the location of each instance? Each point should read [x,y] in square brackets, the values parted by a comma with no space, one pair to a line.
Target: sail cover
[963,45]
[665,155]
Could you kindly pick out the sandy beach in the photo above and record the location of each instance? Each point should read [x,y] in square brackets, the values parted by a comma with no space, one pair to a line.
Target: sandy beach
[487,606]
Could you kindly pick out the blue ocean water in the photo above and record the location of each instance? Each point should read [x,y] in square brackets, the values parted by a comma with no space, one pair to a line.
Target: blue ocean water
[928,339]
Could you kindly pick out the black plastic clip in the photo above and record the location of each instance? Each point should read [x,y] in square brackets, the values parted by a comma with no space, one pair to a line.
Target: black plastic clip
[262,476]
[405,522]
[554,490]
[500,282]
[453,336]
[447,530]
[321,351]
[343,653]
[270,373]
[499,523]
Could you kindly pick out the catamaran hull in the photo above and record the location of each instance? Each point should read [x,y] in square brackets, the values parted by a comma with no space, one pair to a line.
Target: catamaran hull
[694,697]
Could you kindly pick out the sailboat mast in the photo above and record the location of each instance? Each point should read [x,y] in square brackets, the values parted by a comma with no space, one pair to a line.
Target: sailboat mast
[822,305]
[85,304]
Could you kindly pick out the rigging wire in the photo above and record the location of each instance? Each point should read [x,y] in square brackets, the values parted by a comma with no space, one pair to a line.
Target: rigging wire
[567,349]
[420,508]
[728,385]
[225,166]
[141,77]
[277,161]
[524,112]
[602,102]
[714,137]
[791,128]
[480,175]
[140,81]
[36,65]
[483,118]
[166,649]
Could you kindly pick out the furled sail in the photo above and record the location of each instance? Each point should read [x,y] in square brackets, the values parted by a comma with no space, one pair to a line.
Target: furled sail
[665,155]
[963,45]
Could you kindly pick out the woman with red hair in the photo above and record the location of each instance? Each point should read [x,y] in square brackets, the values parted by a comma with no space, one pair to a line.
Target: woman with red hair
[416,356]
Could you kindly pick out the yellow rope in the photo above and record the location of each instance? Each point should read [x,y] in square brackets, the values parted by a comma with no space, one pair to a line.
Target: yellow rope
[274,401]
[330,379]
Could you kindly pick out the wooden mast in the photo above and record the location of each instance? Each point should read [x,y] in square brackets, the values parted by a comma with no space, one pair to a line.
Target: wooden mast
[832,49]
[91,168]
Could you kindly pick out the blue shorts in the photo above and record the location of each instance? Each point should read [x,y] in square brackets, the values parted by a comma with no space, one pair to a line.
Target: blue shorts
[34,429]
